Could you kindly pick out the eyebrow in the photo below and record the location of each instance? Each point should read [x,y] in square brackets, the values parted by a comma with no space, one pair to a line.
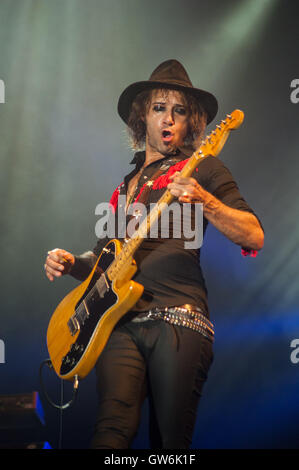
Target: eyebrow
[164,102]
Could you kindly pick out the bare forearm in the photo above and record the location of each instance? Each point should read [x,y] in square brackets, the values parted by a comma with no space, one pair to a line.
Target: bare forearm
[240,227]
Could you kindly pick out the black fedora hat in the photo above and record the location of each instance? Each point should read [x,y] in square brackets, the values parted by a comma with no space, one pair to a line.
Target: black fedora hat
[170,74]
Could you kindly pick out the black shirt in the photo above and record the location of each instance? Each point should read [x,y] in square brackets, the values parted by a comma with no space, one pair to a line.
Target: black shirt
[170,273]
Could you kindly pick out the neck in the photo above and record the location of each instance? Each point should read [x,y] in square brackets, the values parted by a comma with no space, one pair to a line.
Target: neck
[152,155]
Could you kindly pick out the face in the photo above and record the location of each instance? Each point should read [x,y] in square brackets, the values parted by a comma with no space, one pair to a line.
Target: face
[166,121]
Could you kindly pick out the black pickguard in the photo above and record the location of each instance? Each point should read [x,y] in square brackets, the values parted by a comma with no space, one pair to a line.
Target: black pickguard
[97,306]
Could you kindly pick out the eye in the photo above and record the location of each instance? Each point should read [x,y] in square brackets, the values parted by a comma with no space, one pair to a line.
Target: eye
[181,111]
[158,107]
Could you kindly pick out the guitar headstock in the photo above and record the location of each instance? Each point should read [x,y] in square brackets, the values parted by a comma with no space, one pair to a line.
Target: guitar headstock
[235,119]
[214,142]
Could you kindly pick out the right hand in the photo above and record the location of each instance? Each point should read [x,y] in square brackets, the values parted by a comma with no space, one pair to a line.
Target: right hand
[58,263]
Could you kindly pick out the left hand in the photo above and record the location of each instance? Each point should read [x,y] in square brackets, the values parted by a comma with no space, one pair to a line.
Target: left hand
[187,189]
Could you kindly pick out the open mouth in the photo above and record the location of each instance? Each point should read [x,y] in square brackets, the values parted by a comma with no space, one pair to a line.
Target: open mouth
[167,136]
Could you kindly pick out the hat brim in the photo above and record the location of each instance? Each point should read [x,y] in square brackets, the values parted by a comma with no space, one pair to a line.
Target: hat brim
[206,99]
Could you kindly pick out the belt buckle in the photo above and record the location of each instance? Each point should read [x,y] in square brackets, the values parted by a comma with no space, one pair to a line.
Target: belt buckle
[150,314]
[153,313]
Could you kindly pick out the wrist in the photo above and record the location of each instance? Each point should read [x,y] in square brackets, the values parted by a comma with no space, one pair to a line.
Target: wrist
[211,204]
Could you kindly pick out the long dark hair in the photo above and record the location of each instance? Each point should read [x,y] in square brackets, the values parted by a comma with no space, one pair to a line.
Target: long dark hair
[136,122]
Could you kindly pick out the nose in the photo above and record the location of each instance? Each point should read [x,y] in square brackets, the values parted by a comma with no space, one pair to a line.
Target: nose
[168,118]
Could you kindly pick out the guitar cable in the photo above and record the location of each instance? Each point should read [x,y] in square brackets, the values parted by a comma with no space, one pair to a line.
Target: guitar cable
[62,406]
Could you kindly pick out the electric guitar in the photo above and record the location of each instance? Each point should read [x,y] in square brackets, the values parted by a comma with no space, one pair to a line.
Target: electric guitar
[84,320]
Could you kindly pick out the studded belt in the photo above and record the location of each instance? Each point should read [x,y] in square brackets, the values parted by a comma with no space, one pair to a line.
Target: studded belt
[186,315]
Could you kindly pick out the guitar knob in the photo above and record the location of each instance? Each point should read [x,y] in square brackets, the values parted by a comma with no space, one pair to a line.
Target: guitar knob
[65,360]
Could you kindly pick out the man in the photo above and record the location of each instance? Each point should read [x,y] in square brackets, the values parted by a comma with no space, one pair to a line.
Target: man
[163,347]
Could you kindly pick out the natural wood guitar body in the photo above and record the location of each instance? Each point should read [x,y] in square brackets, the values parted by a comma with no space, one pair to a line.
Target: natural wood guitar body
[75,352]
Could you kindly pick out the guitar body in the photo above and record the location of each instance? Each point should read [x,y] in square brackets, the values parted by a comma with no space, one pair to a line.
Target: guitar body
[84,320]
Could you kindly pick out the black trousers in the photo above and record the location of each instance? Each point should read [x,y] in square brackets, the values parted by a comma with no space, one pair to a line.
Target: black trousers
[167,363]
